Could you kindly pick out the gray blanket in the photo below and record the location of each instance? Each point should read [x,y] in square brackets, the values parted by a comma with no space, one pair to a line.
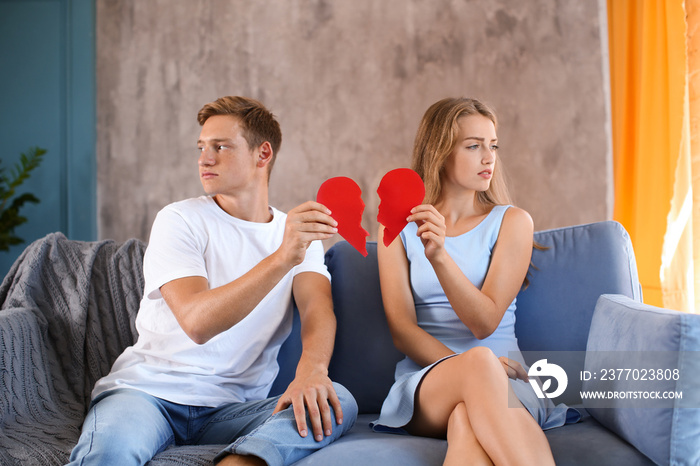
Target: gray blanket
[67,310]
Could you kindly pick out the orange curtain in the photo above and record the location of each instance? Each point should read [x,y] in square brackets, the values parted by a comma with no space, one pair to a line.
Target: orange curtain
[690,167]
[647,40]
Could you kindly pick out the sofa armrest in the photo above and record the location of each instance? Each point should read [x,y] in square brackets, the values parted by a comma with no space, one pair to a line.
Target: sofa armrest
[667,431]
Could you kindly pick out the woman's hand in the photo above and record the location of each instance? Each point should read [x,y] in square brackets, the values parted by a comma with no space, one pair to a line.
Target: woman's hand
[431,230]
[514,369]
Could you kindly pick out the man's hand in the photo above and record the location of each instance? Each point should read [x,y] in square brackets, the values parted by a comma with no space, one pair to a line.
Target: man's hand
[314,393]
[308,222]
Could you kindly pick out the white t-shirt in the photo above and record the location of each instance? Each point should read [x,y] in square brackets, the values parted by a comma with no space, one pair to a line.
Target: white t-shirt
[196,237]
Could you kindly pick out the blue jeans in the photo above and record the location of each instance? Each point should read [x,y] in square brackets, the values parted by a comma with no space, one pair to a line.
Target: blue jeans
[129,427]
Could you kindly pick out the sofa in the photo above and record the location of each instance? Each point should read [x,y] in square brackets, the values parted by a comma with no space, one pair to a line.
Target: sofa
[68,309]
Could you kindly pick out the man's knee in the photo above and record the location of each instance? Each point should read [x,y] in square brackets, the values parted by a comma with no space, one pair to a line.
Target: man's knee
[347,403]
[124,427]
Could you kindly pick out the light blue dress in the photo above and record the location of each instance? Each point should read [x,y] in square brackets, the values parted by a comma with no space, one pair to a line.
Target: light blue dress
[472,253]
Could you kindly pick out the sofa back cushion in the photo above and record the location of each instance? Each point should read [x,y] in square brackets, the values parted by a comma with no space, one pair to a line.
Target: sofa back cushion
[579,264]
[365,356]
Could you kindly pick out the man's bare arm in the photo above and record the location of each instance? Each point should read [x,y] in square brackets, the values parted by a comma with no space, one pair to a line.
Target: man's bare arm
[312,390]
[204,313]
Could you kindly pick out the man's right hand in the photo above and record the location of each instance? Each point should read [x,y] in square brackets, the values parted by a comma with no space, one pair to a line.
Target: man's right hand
[308,222]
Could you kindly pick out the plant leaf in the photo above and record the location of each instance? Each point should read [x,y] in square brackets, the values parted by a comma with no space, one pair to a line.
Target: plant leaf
[9,215]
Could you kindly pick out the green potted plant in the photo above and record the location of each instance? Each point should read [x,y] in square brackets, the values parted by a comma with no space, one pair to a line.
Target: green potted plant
[10,204]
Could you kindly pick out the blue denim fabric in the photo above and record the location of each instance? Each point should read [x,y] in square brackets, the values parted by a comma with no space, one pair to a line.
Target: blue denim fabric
[129,427]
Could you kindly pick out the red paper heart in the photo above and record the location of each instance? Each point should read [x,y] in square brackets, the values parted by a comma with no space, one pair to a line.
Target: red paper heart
[400,191]
[344,198]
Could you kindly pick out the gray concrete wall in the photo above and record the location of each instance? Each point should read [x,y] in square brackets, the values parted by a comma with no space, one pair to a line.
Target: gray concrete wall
[349,81]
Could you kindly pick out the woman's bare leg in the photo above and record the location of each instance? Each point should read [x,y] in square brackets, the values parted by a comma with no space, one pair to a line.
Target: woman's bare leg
[463,447]
[476,378]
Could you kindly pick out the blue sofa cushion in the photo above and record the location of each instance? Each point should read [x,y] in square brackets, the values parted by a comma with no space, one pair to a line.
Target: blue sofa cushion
[578,265]
[365,357]
[668,434]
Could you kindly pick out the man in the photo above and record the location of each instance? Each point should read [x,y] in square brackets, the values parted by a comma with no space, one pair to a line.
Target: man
[220,272]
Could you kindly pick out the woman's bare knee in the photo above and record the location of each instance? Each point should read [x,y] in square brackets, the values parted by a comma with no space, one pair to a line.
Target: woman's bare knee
[481,365]
[478,357]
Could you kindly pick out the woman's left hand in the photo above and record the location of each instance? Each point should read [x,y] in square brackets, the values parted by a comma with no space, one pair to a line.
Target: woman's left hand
[514,369]
[431,229]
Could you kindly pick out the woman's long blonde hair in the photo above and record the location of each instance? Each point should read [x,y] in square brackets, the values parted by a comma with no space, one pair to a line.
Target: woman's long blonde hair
[436,139]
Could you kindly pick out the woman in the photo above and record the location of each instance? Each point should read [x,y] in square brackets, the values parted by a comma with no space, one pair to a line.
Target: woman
[449,289]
